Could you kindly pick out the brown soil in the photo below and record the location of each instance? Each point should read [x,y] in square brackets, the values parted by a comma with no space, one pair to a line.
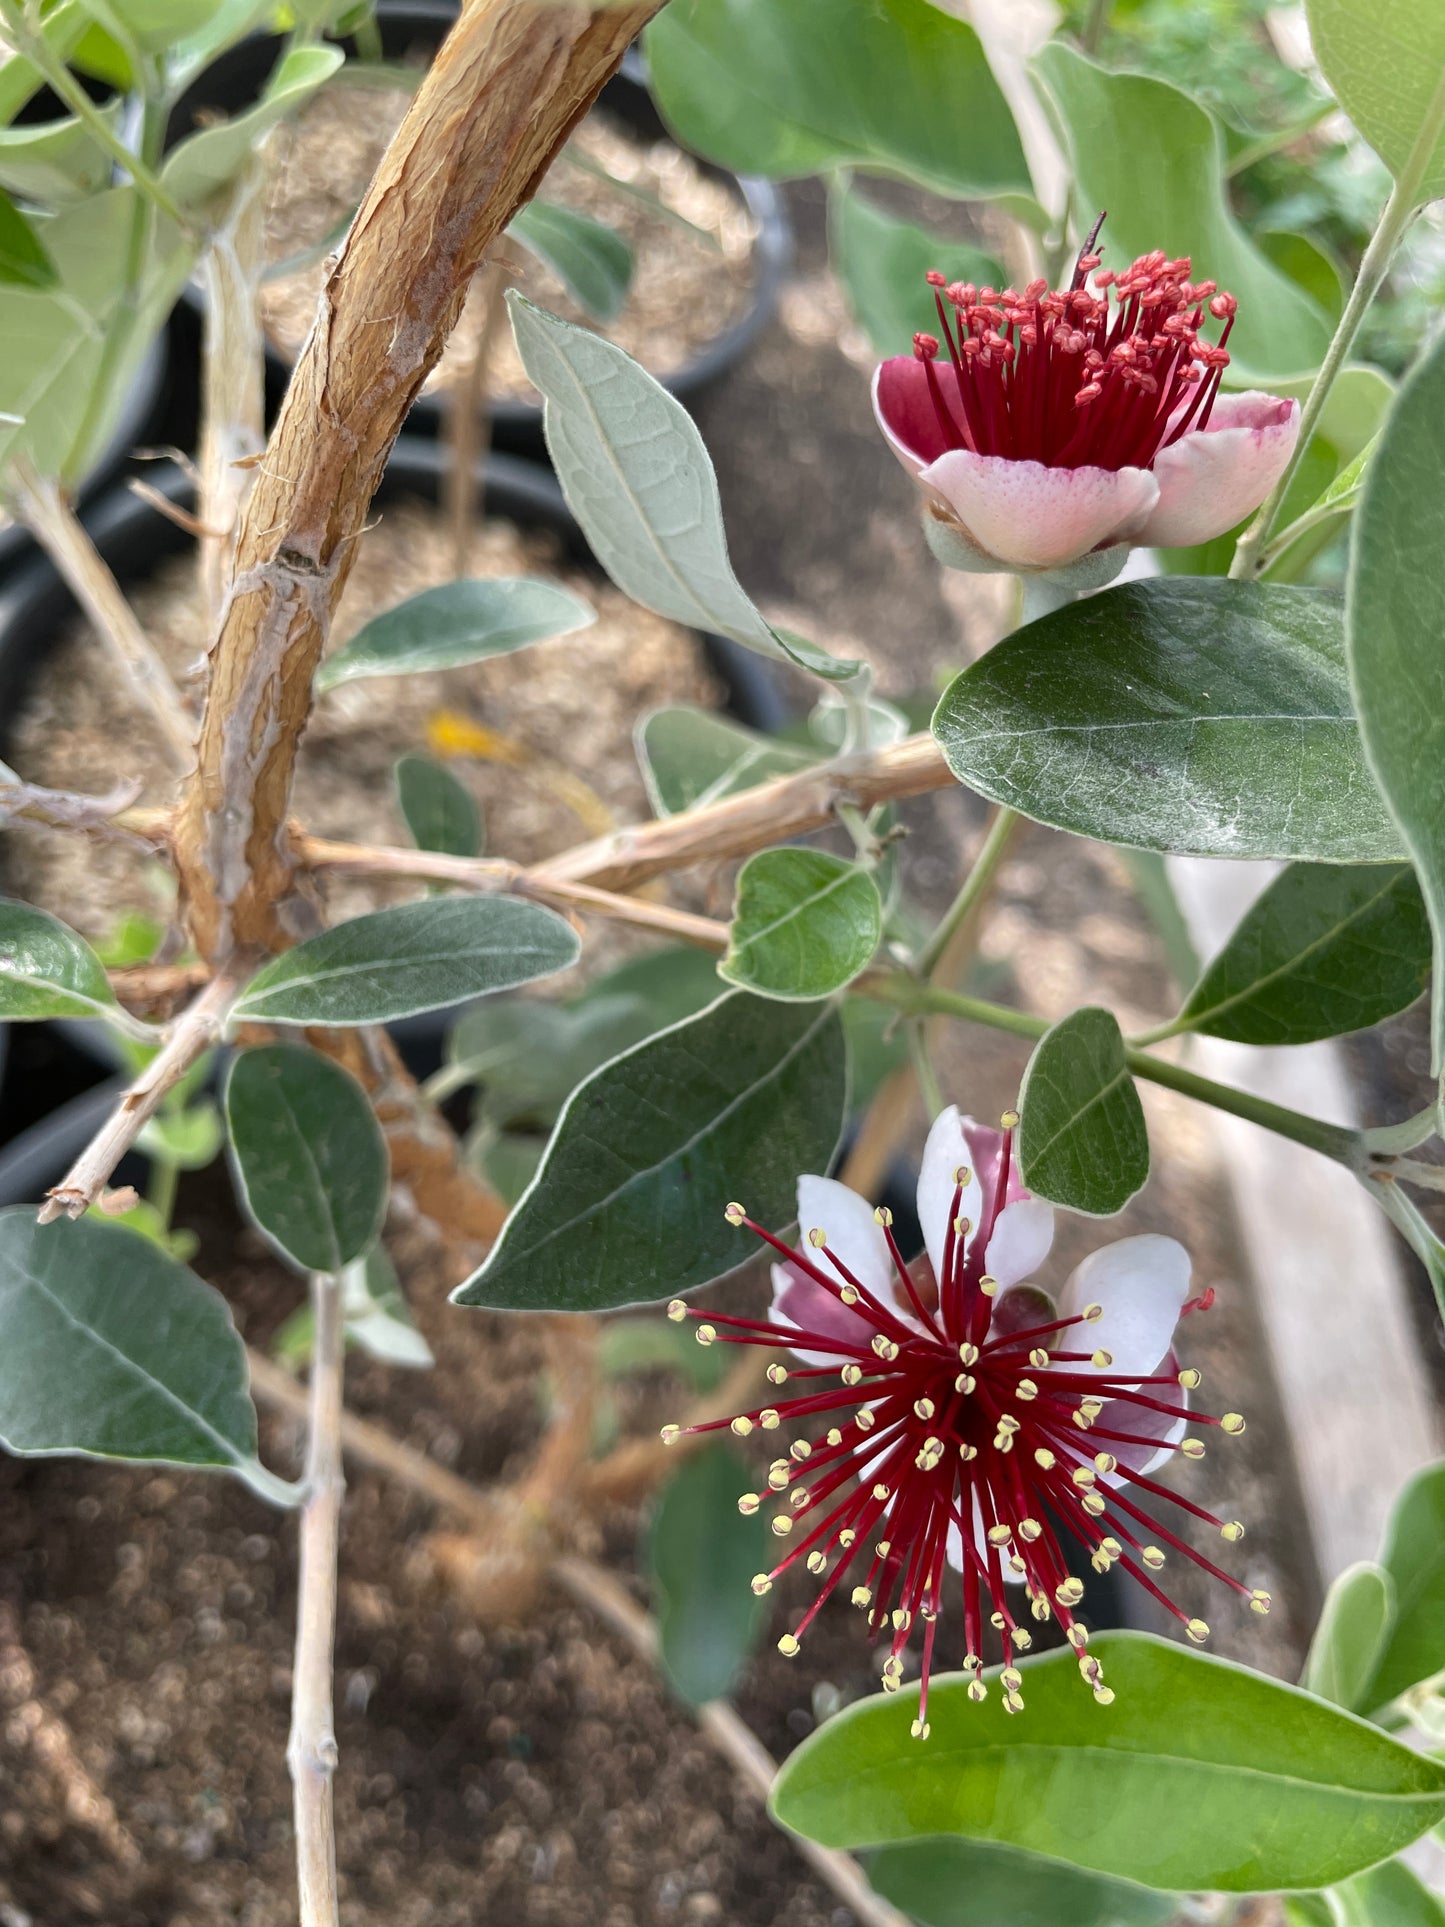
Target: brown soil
[687,287]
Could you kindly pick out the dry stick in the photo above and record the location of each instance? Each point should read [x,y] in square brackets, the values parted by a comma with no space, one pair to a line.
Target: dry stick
[42,507]
[471,419]
[194,1031]
[592,1587]
[505,89]
[233,376]
[311,1751]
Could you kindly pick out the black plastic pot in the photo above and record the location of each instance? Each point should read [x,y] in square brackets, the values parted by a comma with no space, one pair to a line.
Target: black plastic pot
[236,79]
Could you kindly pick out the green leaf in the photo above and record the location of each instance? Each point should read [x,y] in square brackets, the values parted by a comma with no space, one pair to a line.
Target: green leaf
[702,1553]
[1328,948]
[628,1204]
[460,622]
[1308,266]
[527,1056]
[1414,1556]
[1082,1139]
[881,261]
[189,1138]
[54,163]
[1389,1896]
[1200,1775]
[590,258]
[416,956]
[975,1883]
[789,87]
[308,1154]
[692,756]
[672,983]
[203,163]
[1189,714]
[638,478]
[1383,64]
[1152,157]
[647,1343]
[377,1316]
[1393,628]
[22,257]
[46,970]
[158,24]
[805,923]
[438,809]
[114,1351]
[1350,1640]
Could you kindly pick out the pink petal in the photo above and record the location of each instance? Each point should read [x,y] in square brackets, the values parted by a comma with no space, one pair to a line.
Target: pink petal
[1212,477]
[1030,517]
[798,1301]
[905,411]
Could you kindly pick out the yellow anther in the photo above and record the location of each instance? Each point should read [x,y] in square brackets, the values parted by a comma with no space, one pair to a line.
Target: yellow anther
[902,1619]
[1093,1503]
[1026,1389]
[999,1535]
[1092,1312]
[676,1310]
[1232,1530]
[1016,1566]
[706,1334]
[1003,1441]
[1021,1637]
[782,1525]
[817,1237]
[1009,1120]
[866,1419]
[1232,1423]
[929,1454]
[670,1434]
[997,1621]
[919,1729]
[883,1548]
[735,1214]
[835,1437]
[1007,1422]
[1153,1558]
[962,1175]
[749,1503]
[742,1425]
[1069,1592]
[816,1562]
[761,1584]
[880,1491]
[965,1383]
[788,1646]
[847,1538]
[779,1472]
[923,1407]
[1040,1607]
[883,1216]
[1078,1636]
[1197,1631]
[977,1690]
[1013,1703]
[1044,1457]
[799,1497]
[1038,1358]
[777,1374]
[988,1286]
[1091,1408]
[861,1596]
[851,1374]
[1029,1530]
[1191,1379]
[968,1354]
[972,1663]
[1192,1448]
[1101,1561]
[1111,1546]
[768,1419]
[962,1226]
[885,1348]
[1259,1600]
[1102,1359]
[1106,1462]
[1082,1475]
[800,1450]
[1081,1419]
[1104,1695]
[1012,1678]
[967,1451]
[848,1293]
[890,1684]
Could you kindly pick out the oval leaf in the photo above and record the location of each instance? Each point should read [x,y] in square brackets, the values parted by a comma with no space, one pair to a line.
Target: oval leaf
[1082,1138]
[308,1154]
[1383,64]
[1325,950]
[204,162]
[628,1203]
[638,478]
[975,1883]
[46,970]
[1200,1775]
[1414,1557]
[805,923]
[691,756]
[22,258]
[115,1351]
[1195,715]
[881,261]
[1388,1896]
[417,956]
[439,810]
[458,623]
[703,1553]
[590,258]
[1350,1639]
[1392,619]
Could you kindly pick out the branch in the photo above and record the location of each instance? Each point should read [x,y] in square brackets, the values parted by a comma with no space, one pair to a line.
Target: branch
[311,1751]
[145,988]
[506,87]
[194,1031]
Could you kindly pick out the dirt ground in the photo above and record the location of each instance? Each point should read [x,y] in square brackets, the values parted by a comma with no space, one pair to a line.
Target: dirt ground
[539,1773]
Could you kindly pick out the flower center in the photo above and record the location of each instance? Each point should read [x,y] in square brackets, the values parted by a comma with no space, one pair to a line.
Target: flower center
[1099,376]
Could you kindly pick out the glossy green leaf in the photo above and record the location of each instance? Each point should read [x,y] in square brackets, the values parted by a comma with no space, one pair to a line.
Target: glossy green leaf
[114,1351]
[1327,948]
[1350,1640]
[56,162]
[805,923]
[881,261]
[976,1883]
[787,87]
[690,756]
[1414,1556]
[308,1154]
[377,1316]
[203,163]
[437,807]
[1082,1138]
[1151,156]
[1387,1896]
[1394,628]
[638,478]
[457,623]
[1383,65]
[628,1204]
[1308,266]
[1201,1774]
[590,258]
[702,1553]
[1188,714]
[46,970]
[416,956]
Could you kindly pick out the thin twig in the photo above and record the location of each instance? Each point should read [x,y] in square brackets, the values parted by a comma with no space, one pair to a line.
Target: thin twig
[599,1592]
[156,986]
[103,816]
[43,509]
[193,1032]
[311,1751]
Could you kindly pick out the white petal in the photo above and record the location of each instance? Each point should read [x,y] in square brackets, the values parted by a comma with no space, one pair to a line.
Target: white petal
[799,1302]
[1141,1283]
[852,1231]
[953,1548]
[1212,477]
[945,1153]
[1021,1241]
[1032,517]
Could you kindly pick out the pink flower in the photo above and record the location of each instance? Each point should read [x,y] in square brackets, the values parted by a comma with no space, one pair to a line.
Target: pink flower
[1055,424]
[949,1416]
